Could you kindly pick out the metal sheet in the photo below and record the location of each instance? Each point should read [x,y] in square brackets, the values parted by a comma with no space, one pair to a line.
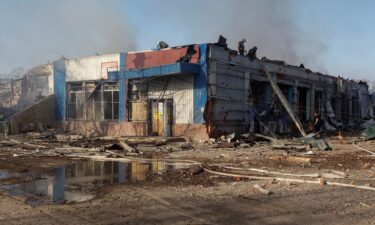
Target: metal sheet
[200,86]
[178,88]
[92,68]
[60,90]
[122,90]
[148,59]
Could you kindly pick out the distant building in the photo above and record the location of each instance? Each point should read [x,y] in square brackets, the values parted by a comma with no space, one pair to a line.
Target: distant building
[34,85]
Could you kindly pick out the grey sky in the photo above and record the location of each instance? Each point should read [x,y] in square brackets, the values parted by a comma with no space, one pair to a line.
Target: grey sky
[329,36]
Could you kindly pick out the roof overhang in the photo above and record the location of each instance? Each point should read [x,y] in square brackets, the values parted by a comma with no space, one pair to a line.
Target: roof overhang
[165,70]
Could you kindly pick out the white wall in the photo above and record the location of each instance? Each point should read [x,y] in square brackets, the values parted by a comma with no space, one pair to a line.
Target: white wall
[180,89]
[91,68]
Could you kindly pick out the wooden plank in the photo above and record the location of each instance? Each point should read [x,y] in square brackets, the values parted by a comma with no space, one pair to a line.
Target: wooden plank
[285,102]
[262,190]
[139,111]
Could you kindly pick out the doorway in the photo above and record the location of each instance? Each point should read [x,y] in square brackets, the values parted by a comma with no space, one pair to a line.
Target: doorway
[161,118]
[304,104]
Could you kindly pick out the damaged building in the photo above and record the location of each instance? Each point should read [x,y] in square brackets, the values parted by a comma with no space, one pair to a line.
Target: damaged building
[22,100]
[19,93]
[198,91]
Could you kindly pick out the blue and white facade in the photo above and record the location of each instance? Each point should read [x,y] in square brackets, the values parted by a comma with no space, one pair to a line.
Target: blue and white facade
[197,90]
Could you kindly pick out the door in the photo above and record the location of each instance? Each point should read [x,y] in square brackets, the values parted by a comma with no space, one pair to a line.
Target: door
[161,117]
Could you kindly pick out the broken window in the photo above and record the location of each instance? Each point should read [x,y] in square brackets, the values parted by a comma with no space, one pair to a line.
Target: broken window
[75,91]
[111,101]
[93,101]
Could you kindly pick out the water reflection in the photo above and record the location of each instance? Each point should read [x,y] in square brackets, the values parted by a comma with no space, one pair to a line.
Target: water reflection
[58,187]
[80,181]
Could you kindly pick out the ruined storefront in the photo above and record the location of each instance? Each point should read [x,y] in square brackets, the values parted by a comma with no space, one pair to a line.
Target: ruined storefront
[198,91]
[240,97]
[149,93]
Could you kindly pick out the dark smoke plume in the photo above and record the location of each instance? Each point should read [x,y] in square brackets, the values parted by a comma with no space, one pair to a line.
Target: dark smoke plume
[268,24]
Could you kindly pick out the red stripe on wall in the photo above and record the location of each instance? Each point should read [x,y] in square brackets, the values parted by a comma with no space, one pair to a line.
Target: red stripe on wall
[142,60]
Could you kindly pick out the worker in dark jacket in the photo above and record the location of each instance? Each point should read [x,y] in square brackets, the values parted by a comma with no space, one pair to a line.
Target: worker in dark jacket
[318,123]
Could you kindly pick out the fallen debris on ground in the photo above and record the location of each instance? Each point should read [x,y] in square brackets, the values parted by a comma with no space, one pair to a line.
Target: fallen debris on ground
[261,189]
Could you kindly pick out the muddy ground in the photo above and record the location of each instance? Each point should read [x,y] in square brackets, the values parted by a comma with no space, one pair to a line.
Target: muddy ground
[175,197]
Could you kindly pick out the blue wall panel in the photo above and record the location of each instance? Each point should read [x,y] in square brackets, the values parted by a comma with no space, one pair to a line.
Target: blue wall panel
[290,95]
[122,100]
[122,89]
[60,92]
[169,69]
[200,84]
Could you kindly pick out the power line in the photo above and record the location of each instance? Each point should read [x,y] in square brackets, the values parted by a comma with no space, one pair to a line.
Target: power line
[36,44]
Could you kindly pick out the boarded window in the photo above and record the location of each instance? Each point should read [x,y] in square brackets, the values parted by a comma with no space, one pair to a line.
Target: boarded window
[138,111]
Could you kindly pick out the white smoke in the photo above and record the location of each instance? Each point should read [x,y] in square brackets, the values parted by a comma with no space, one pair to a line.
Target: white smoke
[74,28]
[79,28]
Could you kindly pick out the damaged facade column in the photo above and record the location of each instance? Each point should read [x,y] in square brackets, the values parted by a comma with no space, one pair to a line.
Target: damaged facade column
[248,99]
[313,96]
[267,95]
[308,105]
[295,96]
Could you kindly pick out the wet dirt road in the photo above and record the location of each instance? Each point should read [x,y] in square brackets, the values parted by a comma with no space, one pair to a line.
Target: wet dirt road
[134,193]
[224,203]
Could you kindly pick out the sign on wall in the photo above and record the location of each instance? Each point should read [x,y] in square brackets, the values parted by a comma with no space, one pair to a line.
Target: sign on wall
[108,67]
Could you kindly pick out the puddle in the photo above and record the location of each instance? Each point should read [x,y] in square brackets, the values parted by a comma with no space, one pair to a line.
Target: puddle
[4,175]
[82,180]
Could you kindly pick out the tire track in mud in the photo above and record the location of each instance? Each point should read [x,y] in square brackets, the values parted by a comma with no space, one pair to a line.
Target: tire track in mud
[172,206]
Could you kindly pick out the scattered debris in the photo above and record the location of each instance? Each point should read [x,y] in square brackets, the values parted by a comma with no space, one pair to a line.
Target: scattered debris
[320,181]
[227,145]
[187,146]
[289,147]
[291,159]
[244,145]
[230,137]
[360,148]
[267,138]
[309,153]
[194,170]
[368,124]
[212,140]
[320,144]
[26,145]
[261,189]
[331,176]
[71,137]
[365,204]
[265,127]
[313,142]
[127,148]
[175,139]
[369,133]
